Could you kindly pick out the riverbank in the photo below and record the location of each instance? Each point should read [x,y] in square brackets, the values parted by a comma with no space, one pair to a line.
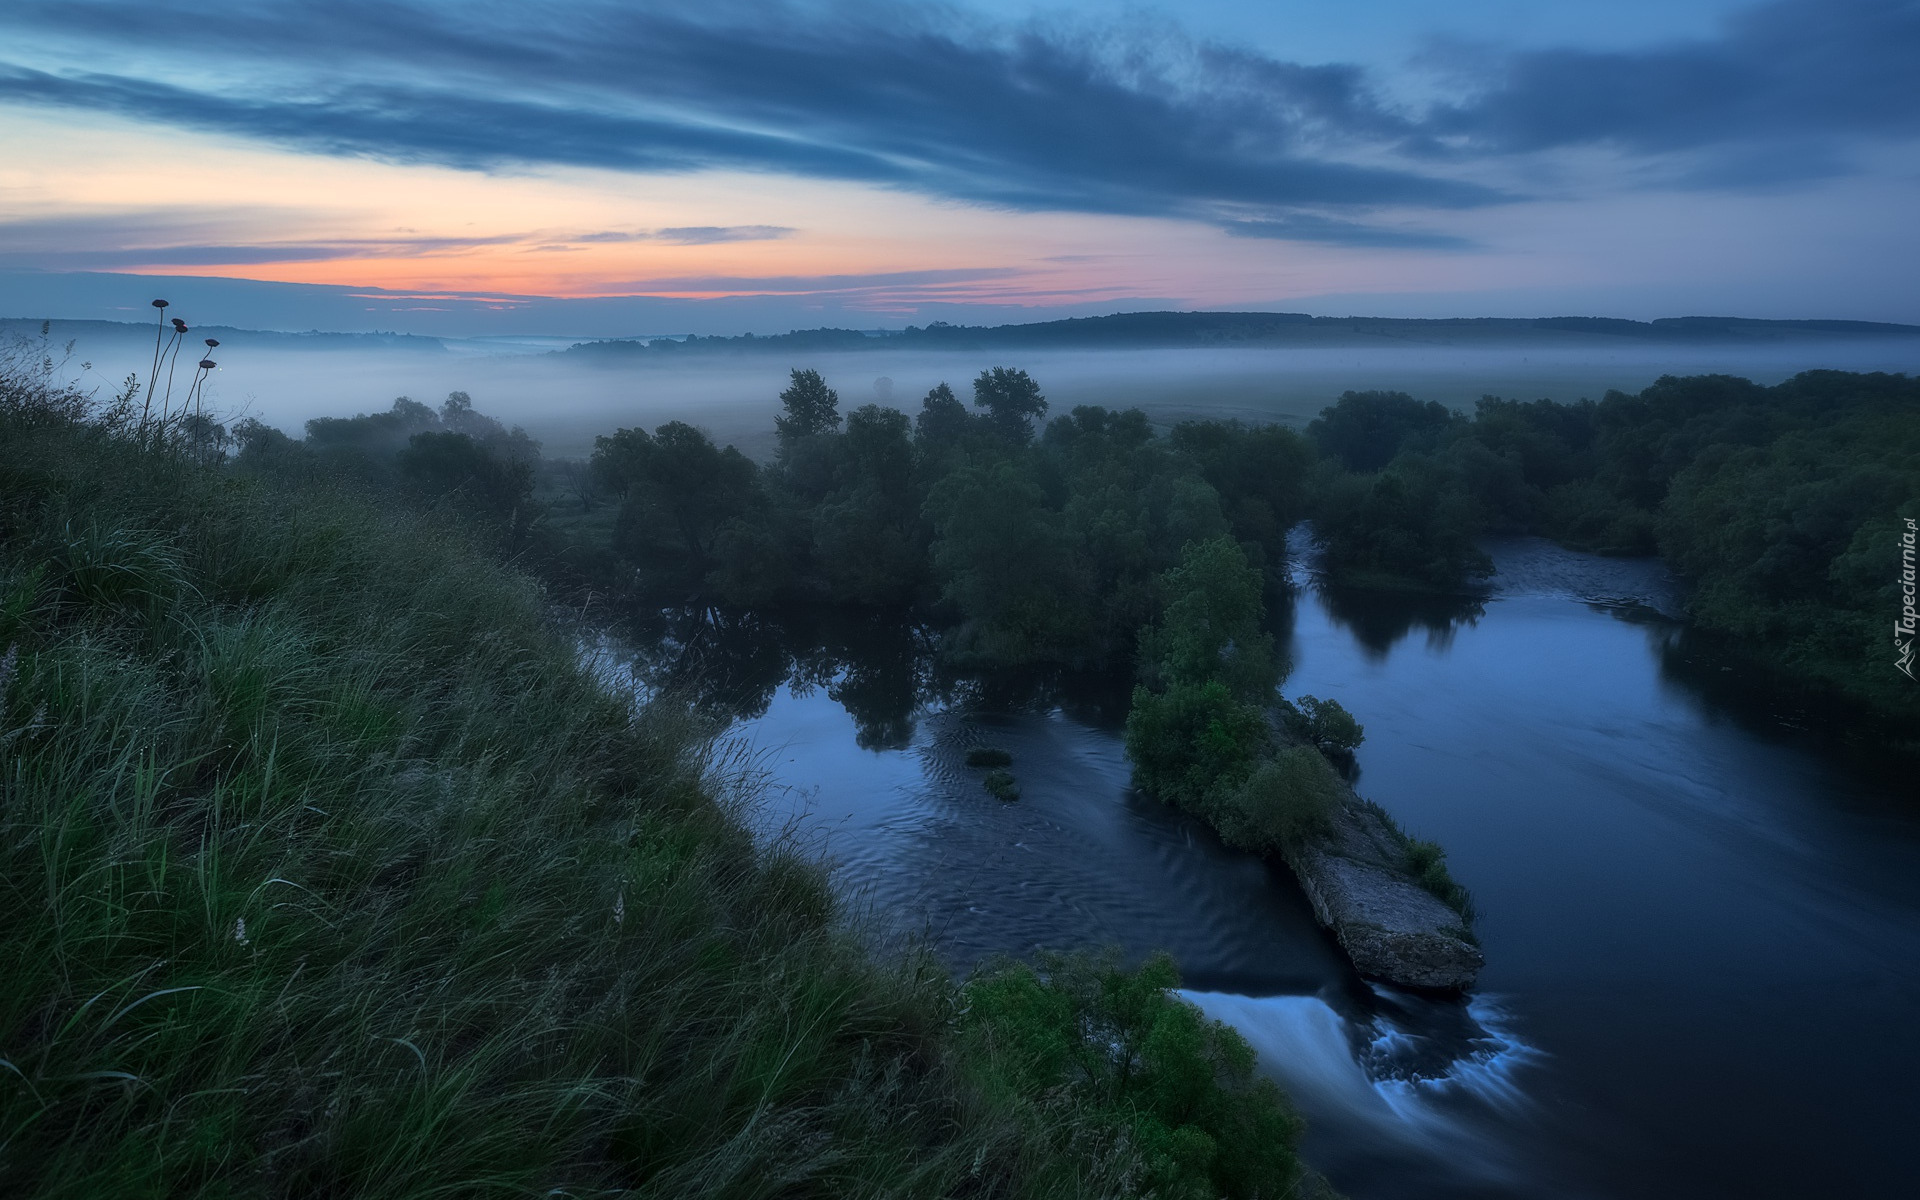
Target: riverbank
[1679,891]
[330,870]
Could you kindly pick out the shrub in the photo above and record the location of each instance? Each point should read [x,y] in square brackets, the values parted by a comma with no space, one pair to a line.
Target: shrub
[1329,726]
[1002,785]
[1192,742]
[1428,864]
[1288,800]
[1144,1067]
[988,756]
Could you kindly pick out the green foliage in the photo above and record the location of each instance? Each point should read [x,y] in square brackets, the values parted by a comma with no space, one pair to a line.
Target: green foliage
[988,756]
[1365,431]
[1289,800]
[1005,563]
[1036,553]
[327,869]
[452,468]
[943,421]
[1427,863]
[1193,743]
[619,462]
[1260,473]
[1411,525]
[1780,504]
[1211,630]
[809,408]
[1012,400]
[1328,725]
[1002,784]
[1585,515]
[867,539]
[454,462]
[681,490]
[1147,1071]
[368,440]
[1198,723]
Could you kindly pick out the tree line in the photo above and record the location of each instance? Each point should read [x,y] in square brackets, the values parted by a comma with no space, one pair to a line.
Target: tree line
[1047,542]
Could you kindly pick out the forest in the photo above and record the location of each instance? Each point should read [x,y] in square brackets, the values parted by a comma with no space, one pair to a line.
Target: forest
[1034,542]
[1143,330]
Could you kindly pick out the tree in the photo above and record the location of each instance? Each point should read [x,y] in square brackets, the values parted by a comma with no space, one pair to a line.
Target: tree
[1327,724]
[688,486]
[620,459]
[452,468]
[943,420]
[1148,1069]
[1012,400]
[1412,524]
[811,408]
[1259,471]
[1005,562]
[1198,725]
[1211,630]
[1367,430]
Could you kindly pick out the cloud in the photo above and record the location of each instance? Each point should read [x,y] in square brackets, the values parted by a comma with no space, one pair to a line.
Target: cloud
[254,304]
[692,235]
[198,237]
[1793,70]
[1021,117]
[809,285]
[1122,118]
[174,237]
[1309,227]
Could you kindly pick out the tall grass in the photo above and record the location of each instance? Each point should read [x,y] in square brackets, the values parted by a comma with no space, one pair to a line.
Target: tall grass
[326,870]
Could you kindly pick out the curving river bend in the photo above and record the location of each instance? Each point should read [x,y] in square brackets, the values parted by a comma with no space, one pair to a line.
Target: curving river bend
[1701,920]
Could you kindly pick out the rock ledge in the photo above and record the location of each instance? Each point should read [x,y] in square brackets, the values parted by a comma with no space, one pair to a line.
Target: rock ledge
[1393,929]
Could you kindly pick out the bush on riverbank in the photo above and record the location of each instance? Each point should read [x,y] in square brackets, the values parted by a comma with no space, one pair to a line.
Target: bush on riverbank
[1289,800]
[1324,724]
[1144,1069]
[1427,862]
[327,869]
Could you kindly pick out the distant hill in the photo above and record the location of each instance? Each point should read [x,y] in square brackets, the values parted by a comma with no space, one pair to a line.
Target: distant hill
[1142,330]
[1164,330]
[93,333]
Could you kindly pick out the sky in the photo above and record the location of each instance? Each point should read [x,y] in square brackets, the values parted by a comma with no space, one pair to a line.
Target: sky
[604,167]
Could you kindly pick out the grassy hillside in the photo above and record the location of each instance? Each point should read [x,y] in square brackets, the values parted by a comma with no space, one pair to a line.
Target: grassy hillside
[326,869]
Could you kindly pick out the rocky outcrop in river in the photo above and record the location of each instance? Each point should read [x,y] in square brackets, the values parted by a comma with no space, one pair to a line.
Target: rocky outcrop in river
[1392,928]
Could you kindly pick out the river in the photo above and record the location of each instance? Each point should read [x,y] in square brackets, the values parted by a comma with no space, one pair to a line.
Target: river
[1701,914]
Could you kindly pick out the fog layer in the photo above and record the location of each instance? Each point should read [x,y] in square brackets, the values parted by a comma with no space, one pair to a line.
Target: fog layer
[565,403]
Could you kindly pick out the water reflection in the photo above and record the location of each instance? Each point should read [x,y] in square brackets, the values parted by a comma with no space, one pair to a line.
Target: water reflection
[1379,620]
[730,664]
[887,671]
[1684,896]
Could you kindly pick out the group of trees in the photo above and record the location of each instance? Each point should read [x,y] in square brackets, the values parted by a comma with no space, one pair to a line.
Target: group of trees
[1208,730]
[1043,546]
[1049,544]
[1780,505]
[454,458]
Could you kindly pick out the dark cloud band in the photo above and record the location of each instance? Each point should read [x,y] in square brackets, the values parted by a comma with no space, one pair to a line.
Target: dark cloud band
[1026,117]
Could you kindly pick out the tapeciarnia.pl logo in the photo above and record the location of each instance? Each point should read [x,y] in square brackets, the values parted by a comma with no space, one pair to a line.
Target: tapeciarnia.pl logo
[1903,629]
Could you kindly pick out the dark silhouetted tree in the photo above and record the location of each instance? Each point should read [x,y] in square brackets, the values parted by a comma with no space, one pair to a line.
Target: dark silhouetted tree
[809,408]
[1012,400]
[1366,430]
[943,420]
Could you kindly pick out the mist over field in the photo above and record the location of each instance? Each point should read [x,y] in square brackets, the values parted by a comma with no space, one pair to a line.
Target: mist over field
[565,402]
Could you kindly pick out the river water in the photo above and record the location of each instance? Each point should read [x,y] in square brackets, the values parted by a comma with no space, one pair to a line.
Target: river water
[1701,914]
